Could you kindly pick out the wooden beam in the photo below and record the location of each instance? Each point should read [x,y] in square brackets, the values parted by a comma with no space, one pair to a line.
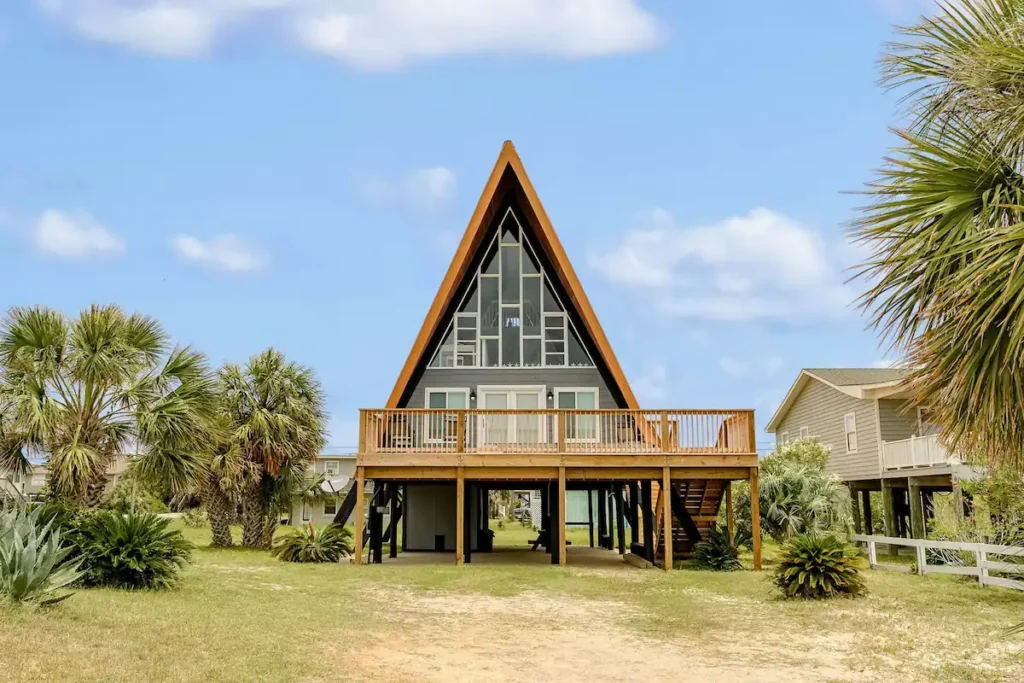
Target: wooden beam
[755,517]
[360,513]
[634,512]
[868,521]
[561,517]
[460,512]
[590,515]
[666,484]
[855,508]
[916,502]
[396,519]
[620,519]
[695,466]
[730,521]
[647,504]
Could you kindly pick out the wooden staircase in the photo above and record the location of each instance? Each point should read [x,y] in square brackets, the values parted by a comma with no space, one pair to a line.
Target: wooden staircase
[701,499]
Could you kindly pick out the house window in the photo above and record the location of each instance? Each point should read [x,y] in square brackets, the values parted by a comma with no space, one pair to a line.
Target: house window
[850,425]
[331,506]
[783,439]
[510,316]
[579,427]
[805,433]
[925,425]
[305,511]
[443,428]
[331,467]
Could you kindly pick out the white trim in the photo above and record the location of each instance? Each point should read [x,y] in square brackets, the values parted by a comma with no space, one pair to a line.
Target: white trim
[327,467]
[597,406]
[783,440]
[878,437]
[508,390]
[805,433]
[847,432]
[334,501]
[443,390]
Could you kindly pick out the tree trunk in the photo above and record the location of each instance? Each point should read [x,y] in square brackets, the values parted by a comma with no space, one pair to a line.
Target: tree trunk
[254,517]
[219,511]
[269,527]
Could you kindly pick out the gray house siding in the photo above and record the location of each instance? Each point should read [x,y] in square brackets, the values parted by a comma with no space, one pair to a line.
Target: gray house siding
[895,421]
[320,512]
[822,409]
[471,378]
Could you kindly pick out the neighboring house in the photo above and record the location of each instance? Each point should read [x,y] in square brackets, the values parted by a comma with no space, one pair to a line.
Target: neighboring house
[879,441]
[338,471]
[20,487]
[511,384]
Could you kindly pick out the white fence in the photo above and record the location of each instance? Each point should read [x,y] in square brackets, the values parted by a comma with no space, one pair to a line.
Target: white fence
[917,451]
[983,567]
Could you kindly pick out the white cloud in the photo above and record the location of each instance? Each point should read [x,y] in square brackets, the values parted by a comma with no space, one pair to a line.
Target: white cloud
[424,188]
[653,384]
[372,34]
[223,252]
[74,236]
[761,266]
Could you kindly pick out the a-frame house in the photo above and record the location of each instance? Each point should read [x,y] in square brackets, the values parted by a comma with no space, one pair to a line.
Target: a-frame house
[512,384]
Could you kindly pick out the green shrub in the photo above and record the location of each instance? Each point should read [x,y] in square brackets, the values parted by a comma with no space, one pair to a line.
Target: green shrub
[130,496]
[817,566]
[131,551]
[715,552]
[306,544]
[34,564]
[194,518]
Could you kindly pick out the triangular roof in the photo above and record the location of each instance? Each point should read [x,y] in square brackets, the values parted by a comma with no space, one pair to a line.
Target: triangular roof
[510,166]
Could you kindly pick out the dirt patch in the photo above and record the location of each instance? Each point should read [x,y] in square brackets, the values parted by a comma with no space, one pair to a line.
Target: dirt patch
[536,638]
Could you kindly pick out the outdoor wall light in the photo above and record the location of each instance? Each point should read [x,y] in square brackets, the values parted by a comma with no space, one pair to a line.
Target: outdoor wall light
[472,396]
[551,396]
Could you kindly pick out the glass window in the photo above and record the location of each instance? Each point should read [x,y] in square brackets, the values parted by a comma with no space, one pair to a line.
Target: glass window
[579,427]
[510,331]
[490,266]
[509,274]
[331,506]
[850,423]
[470,303]
[490,309]
[510,229]
[531,305]
[332,467]
[531,352]
[306,512]
[443,427]
[530,264]
[490,353]
[577,354]
[445,356]
[551,304]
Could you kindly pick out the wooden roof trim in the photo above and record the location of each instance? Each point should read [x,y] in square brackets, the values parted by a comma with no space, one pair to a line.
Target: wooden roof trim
[509,158]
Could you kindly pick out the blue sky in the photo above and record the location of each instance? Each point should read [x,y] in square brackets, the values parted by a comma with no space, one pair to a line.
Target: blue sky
[297,173]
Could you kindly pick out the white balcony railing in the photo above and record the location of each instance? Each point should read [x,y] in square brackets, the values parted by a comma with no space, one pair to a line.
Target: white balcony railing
[916,452]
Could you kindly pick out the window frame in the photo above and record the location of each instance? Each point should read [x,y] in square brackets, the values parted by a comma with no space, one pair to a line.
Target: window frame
[307,511]
[446,438]
[848,432]
[597,406]
[329,463]
[333,501]
[783,439]
[805,433]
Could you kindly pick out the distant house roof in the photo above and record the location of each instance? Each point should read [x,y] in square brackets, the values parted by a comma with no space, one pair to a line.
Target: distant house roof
[855,382]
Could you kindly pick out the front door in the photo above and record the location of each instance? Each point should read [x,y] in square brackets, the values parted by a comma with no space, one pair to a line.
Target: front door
[511,428]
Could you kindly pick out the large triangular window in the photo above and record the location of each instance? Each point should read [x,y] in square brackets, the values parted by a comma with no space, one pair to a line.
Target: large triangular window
[510,315]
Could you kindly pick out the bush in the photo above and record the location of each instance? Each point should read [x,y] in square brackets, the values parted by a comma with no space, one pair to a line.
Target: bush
[131,551]
[34,564]
[130,496]
[306,544]
[715,553]
[817,566]
[194,518]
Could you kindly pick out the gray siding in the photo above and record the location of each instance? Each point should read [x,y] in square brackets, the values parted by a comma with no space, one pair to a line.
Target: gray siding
[822,409]
[897,419]
[347,468]
[551,378]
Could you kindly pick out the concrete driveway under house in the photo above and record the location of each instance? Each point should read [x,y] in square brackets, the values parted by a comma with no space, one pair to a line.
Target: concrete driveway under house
[511,384]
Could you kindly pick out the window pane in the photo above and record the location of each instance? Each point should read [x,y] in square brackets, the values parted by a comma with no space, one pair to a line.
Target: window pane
[531,352]
[531,305]
[489,307]
[490,350]
[456,400]
[551,304]
[510,275]
[469,306]
[566,400]
[445,357]
[554,359]
[577,356]
[330,506]
[509,229]
[510,337]
[437,399]
[585,400]
[491,260]
[530,264]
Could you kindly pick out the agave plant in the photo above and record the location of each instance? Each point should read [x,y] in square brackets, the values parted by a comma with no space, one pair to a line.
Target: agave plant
[33,565]
[131,551]
[716,553]
[817,566]
[307,544]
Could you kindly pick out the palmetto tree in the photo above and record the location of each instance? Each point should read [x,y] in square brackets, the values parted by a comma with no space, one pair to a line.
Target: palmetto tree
[83,391]
[946,224]
[277,423]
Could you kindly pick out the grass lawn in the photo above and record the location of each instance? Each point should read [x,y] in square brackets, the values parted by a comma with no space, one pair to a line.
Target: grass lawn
[243,616]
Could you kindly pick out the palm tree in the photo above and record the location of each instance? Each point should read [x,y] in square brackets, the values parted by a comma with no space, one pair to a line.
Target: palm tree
[277,424]
[83,391]
[946,224]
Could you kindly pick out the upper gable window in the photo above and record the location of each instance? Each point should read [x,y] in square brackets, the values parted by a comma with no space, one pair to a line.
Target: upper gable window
[510,315]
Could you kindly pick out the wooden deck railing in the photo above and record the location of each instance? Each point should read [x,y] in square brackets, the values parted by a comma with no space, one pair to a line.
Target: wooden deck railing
[619,432]
[917,451]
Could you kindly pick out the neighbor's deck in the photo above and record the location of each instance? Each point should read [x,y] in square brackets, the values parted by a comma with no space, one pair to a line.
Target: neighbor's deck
[530,444]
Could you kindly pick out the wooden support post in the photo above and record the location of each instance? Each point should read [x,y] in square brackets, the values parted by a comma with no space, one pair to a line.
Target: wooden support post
[460,514]
[647,504]
[620,519]
[755,517]
[916,504]
[467,525]
[665,441]
[666,488]
[561,517]
[561,418]
[377,524]
[460,431]
[360,513]
[730,518]
[590,515]
[393,536]
[634,512]
[855,508]
[545,516]
[553,505]
[602,517]
[889,514]
[869,526]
